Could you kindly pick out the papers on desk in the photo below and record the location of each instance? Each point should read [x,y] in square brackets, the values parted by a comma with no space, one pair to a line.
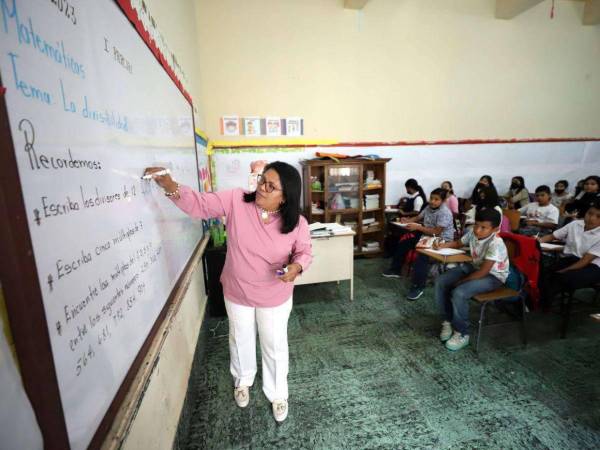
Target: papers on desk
[399,224]
[319,229]
[392,210]
[556,247]
[446,251]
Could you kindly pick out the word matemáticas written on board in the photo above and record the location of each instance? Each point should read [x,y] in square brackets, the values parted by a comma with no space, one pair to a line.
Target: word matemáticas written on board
[262,126]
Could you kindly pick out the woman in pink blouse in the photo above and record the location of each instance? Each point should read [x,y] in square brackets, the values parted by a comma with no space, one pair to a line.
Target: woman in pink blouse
[265,233]
[451,200]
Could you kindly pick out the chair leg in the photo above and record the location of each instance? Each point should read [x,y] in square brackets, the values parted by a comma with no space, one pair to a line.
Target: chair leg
[481,317]
[566,313]
[523,325]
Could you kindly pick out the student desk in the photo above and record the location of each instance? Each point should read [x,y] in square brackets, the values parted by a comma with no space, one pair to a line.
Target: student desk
[333,260]
[446,259]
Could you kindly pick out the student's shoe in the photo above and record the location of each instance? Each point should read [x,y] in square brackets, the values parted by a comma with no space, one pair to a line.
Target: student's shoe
[457,341]
[414,293]
[446,332]
[280,410]
[390,274]
[241,396]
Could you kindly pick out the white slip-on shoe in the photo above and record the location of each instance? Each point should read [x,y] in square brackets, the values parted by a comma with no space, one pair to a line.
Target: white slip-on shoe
[241,395]
[280,410]
[446,332]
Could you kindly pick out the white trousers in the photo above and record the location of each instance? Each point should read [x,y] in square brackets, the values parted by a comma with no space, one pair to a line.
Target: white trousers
[272,331]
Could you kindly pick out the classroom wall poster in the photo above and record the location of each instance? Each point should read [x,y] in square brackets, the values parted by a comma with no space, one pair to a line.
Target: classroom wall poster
[273,126]
[252,126]
[230,126]
[293,126]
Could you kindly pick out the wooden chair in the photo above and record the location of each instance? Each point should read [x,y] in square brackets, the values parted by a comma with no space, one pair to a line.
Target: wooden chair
[504,293]
[514,216]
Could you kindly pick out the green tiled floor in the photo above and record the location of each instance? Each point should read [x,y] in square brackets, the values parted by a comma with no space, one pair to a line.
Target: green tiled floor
[372,374]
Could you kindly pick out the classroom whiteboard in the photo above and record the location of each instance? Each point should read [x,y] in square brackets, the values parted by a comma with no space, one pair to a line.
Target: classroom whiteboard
[89,108]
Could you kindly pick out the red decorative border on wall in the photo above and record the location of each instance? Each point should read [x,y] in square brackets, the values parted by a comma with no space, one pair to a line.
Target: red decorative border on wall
[131,14]
[410,143]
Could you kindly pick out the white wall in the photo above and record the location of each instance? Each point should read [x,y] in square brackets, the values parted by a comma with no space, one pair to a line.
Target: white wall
[462,164]
[401,69]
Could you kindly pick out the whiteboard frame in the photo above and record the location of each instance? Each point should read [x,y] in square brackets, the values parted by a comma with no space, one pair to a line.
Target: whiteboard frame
[24,301]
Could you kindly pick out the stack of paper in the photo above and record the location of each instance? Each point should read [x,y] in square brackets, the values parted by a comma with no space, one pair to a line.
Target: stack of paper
[370,246]
[327,229]
[372,201]
[446,251]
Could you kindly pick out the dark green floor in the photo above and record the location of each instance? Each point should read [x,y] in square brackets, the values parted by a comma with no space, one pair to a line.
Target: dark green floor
[373,374]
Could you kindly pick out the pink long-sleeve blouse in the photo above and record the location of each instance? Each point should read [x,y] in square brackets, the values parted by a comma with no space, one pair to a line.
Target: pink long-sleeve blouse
[255,250]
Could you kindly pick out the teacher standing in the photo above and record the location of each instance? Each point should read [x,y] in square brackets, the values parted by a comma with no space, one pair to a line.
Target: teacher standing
[265,233]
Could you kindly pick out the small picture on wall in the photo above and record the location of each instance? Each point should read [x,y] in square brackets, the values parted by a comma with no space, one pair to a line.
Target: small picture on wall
[273,126]
[252,126]
[230,126]
[294,126]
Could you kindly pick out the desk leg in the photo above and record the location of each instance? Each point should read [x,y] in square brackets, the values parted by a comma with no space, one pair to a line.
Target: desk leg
[351,277]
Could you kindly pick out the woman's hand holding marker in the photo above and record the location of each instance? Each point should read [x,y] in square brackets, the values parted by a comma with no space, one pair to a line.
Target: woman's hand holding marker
[293,270]
[163,178]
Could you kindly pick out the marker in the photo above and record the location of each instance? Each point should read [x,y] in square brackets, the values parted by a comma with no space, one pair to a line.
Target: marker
[282,271]
[159,173]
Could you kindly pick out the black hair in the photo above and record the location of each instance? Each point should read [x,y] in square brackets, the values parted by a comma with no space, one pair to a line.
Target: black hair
[475,200]
[291,186]
[579,187]
[414,184]
[488,215]
[596,178]
[451,190]
[488,178]
[543,188]
[490,198]
[565,182]
[521,181]
[595,204]
[441,193]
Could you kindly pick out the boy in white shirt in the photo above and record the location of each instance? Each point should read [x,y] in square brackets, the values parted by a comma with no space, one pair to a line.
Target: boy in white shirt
[541,216]
[488,271]
[580,266]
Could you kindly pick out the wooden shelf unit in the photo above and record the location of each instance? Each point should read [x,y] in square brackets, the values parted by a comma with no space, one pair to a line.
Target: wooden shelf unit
[344,183]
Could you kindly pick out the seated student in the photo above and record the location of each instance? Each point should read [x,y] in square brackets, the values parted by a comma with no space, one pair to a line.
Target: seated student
[415,201]
[579,189]
[484,181]
[451,201]
[517,195]
[561,194]
[542,216]
[488,271]
[580,265]
[488,198]
[437,221]
[591,194]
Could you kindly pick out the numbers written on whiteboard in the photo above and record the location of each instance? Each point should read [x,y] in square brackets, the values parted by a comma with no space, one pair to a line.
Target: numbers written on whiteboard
[66,8]
[84,360]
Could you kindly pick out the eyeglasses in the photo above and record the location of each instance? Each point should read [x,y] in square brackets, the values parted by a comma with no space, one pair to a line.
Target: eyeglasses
[269,186]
